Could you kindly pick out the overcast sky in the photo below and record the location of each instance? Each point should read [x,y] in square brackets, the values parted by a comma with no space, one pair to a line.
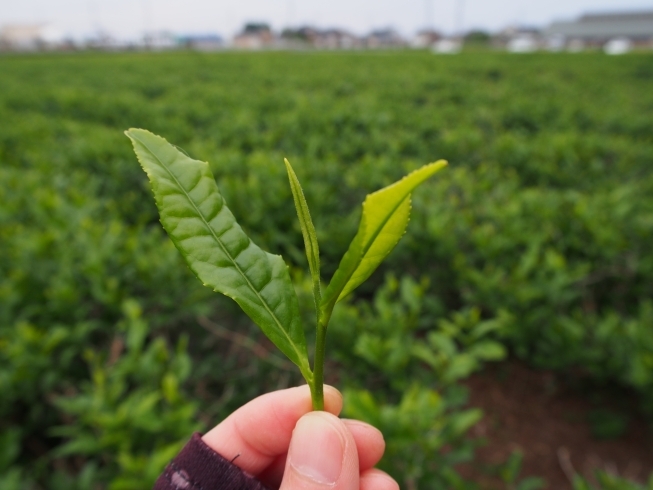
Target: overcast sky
[129,18]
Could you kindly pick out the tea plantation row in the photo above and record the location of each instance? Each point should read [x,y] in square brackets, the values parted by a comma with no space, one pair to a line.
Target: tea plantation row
[536,241]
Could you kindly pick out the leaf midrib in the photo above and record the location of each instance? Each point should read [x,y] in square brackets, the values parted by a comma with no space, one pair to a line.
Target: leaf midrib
[408,195]
[217,239]
[374,237]
[385,222]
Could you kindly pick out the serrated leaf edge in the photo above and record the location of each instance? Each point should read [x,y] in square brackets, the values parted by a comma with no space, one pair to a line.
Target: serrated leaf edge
[300,356]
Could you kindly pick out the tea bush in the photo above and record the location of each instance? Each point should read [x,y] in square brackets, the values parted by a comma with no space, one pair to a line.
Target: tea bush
[535,241]
[604,480]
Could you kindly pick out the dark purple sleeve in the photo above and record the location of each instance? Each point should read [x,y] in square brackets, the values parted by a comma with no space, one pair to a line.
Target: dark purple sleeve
[198,467]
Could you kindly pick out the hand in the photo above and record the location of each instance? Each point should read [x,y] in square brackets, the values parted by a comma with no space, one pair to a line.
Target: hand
[277,438]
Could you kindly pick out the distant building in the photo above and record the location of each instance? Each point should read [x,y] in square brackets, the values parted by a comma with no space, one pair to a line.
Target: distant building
[519,39]
[104,41]
[597,30]
[384,38]
[426,38]
[254,36]
[160,40]
[524,43]
[618,45]
[320,38]
[30,37]
[335,39]
[477,37]
[201,42]
[298,38]
[447,46]
[21,37]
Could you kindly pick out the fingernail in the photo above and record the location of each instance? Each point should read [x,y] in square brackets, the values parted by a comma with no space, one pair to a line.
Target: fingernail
[378,479]
[317,449]
[362,425]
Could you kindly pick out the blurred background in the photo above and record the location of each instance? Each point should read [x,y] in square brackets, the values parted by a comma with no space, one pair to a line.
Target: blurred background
[444,25]
[506,343]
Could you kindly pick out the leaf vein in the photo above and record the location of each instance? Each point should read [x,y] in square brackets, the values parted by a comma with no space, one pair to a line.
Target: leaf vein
[225,251]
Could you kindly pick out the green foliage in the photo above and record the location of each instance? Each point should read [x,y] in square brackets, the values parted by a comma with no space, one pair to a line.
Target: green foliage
[417,428]
[131,404]
[543,225]
[567,264]
[127,418]
[607,424]
[223,257]
[509,473]
[397,333]
[478,37]
[603,480]
[308,233]
[418,421]
[216,249]
[383,222]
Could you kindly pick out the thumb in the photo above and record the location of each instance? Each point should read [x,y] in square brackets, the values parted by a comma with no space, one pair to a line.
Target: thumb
[322,455]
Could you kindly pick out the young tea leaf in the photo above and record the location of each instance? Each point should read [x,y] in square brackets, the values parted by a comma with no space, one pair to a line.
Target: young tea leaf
[216,249]
[383,222]
[308,232]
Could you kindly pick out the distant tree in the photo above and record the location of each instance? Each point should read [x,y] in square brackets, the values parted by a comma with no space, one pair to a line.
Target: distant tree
[256,28]
[299,34]
[477,37]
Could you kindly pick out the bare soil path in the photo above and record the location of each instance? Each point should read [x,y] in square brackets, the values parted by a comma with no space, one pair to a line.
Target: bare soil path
[547,417]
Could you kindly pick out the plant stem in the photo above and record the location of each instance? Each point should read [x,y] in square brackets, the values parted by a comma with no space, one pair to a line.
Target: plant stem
[317,389]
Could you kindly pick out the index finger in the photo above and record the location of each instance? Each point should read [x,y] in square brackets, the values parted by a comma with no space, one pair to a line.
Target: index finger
[255,434]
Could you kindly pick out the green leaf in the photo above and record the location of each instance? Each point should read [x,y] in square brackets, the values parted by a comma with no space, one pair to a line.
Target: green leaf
[308,232]
[216,249]
[465,420]
[531,483]
[488,351]
[383,223]
[82,444]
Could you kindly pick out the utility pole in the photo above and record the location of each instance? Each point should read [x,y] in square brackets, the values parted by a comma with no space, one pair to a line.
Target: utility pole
[147,22]
[428,15]
[460,18]
[94,16]
[147,15]
[290,10]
